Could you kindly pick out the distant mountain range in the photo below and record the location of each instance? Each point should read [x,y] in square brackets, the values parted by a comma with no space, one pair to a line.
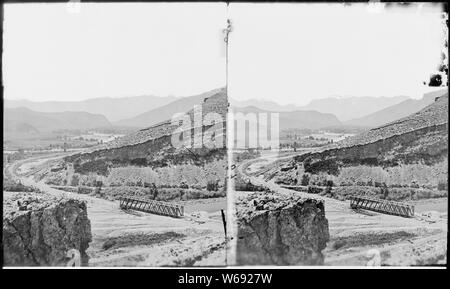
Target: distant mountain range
[303,119]
[166,112]
[343,108]
[145,111]
[396,111]
[24,120]
[262,104]
[113,108]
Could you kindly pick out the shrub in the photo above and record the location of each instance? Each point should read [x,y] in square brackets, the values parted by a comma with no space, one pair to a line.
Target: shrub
[328,192]
[212,186]
[395,194]
[84,190]
[442,186]
[149,185]
[113,193]
[75,180]
[15,186]
[286,179]
[384,192]
[97,166]
[403,175]
[98,187]
[328,166]
[314,190]
[241,185]
[140,162]
[305,180]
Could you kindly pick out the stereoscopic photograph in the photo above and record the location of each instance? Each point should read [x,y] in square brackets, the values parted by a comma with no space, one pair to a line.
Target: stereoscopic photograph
[225,135]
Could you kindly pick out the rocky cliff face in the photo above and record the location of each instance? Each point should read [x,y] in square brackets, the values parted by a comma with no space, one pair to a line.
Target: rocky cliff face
[280,230]
[428,145]
[40,230]
[421,137]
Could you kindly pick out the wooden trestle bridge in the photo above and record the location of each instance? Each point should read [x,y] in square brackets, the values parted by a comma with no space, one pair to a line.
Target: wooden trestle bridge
[152,206]
[382,206]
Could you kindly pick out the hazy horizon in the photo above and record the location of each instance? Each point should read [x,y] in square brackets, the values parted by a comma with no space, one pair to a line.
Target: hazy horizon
[112,50]
[231,99]
[293,53]
[90,54]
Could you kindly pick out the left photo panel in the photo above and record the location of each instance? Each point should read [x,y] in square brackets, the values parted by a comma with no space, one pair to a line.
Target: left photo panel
[114,149]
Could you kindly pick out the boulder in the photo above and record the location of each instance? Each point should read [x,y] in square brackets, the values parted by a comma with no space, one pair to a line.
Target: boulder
[280,230]
[42,230]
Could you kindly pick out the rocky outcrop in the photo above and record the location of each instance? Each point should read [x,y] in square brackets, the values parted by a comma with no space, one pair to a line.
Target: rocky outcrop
[280,230]
[153,146]
[427,145]
[41,230]
[421,137]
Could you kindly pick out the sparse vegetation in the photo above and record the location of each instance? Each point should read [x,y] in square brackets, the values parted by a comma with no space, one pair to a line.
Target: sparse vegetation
[394,194]
[314,190]
[212,186]
[95,166]
[243,185]
[140,239]
[192,176]
[402,176]
[246,155]
[328,166]
[10,185]
[371,239]
[305,180]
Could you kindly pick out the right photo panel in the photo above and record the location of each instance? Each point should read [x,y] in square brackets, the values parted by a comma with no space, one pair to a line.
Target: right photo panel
[337,134]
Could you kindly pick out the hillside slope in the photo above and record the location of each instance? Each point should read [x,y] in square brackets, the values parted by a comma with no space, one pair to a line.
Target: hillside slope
[152,146]
[113,108]
[344,108]
[25,120]
[352,107]
[163,113]
[419,137]
[396,111]
[296,119]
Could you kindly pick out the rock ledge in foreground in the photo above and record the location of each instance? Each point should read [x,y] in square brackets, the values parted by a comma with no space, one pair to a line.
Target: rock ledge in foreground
[39,229]
[280,230]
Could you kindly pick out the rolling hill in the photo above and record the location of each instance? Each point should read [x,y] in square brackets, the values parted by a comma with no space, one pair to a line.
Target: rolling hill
[148,163]
[344,108]
[262,104]
[299,119]
[421,137]
[396,111]
[24,120]
[152,146]
[165,112]
[113,108]
[347,108]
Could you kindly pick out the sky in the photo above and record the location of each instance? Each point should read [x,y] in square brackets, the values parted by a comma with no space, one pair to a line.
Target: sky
[288,53]
[293,53]
[51,52]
